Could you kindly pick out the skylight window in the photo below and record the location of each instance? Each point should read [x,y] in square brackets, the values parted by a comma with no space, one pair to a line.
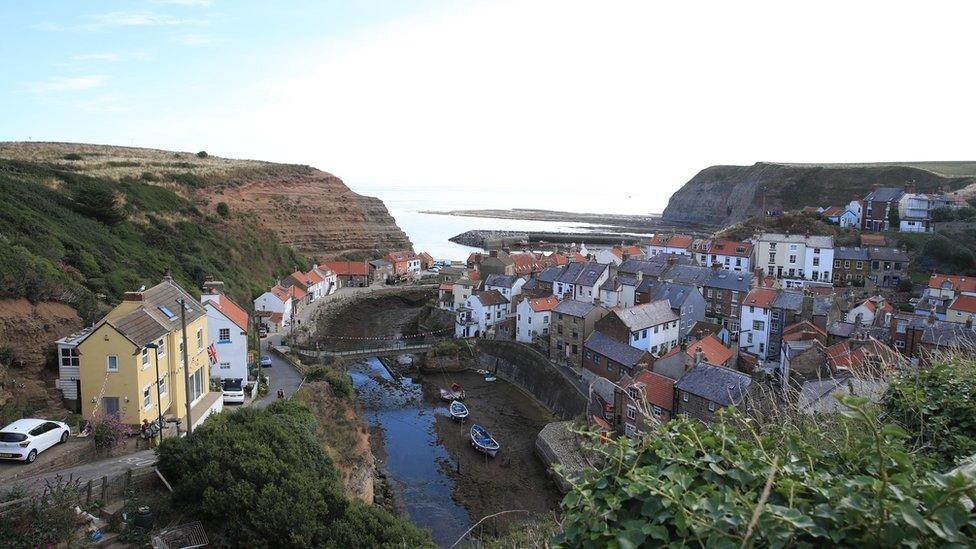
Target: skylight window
[169,314]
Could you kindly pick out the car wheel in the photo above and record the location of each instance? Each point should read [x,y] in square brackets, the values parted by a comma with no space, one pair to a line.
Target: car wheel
[64,437]
[32,456]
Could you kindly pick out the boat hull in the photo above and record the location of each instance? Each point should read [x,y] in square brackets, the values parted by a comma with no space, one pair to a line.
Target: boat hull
[482,441]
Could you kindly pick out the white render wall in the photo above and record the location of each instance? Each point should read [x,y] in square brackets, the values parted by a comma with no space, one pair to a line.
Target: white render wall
[232,353]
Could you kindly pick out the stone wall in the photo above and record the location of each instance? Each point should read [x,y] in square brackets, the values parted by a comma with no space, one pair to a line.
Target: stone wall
[533,373]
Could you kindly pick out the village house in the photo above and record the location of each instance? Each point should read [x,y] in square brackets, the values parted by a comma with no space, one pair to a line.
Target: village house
[641,401]
[877,208]
[497,262]
[730,255]
[711,350]
[677,244]
[480,313]
[69,372]
[942,290]
[612,359]
[704,328]
[851,216]
[526,263]
[800,341]
[889,266]
[787,310]
[918,337]
[651,327]
[851,266]
[274,308]
[581,281]
[572,322]
[686,301]
[118,359]
[705,389]
[532,319]
[795,258]
[724,292]
[380,271]
[755,325]
[618,254]
[871,312]
[509,286]
[227,329]
[962,309]
[445,296]
[349,273]
[426,260]
[833,214]
[821,396]
[405,263]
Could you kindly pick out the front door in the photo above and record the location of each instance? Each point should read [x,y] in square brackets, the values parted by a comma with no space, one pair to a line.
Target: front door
[110,406]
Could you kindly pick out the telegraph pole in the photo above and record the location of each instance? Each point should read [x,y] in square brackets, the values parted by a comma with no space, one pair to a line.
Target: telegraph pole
[186,366]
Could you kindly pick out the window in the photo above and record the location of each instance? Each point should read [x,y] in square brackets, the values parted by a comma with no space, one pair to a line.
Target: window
[112,363]
[658,411]
[859,265]
[643,334]
[199,339]
[182,362]
[899,344]
[196,384]
[762,347]
[758,325]
[816,250]
[147,397]
[792,247]
[631,412]
[145,358]
[654,350]
[225,365]
[634,394]
[162,385]
[224,334]
[837,264]
[772,257]
[684,397]
[69,357]
[749,337]
[711,406]
[169,314]
[792,259]
[816,261]
[656,329]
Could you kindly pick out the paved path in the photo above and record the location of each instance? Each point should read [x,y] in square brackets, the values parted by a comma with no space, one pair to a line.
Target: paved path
[281,375]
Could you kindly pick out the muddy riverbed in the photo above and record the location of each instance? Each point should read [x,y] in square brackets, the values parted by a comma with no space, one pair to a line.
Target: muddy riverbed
[437,479]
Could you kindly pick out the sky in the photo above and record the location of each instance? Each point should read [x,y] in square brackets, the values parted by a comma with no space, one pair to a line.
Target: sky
[569,103]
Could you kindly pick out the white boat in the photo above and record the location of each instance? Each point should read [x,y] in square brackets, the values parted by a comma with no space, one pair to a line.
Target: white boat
[456,392]
[459,410]
[482,440]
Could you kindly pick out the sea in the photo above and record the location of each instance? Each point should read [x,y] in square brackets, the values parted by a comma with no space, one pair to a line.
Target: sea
[430,232]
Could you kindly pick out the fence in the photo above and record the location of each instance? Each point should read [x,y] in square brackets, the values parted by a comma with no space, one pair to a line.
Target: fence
[101,489]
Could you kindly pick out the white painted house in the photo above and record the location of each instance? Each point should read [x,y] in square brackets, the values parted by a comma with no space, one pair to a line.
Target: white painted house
[509,286]
[653,326]
[581,281]
[227,327]
[69,374]
[754,325]
[322,282]
[532,318]
[274,306]
[670,244]
[851,218]
[795,258]
[480,313]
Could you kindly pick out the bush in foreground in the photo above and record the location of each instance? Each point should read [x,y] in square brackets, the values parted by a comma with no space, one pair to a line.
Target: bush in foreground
[262,477]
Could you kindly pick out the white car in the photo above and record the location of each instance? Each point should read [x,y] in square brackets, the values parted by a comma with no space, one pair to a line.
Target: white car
[233,390]
[25,438]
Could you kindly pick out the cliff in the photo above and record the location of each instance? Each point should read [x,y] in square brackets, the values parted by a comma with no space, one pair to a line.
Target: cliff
[310,210]
[723,195]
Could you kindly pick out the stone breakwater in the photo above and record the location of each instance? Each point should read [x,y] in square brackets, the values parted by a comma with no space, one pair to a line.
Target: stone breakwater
[481,238]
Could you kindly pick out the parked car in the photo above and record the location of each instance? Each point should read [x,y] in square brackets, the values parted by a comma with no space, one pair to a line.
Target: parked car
[262,332]
[233,390]
[25,438]
[265,361]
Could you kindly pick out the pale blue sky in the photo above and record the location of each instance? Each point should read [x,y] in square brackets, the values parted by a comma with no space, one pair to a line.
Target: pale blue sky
[580,105]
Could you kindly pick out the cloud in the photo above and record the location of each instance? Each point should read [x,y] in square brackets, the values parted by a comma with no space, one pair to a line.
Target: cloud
[69,84]
[194,40]
[140,19]
[109,57]
[104,103]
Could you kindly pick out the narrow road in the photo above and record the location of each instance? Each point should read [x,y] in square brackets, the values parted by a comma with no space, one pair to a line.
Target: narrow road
[109,467]
[281,375]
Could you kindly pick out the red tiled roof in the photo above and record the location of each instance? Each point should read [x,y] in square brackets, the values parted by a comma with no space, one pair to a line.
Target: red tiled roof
[543,303]
[446,286]
[231,310]
[347,268]
[803,331]
[760,297]
[296,292]
[658,390]
[313,277]
[557,259]
[475,258]
[525,263]
[833,211]
[403,255]
[474,276]
[964,303]
[674,350]
[280,293]
[713,350]
[731,248]
[680,241]
[873,240]
[841,357]
[426,256]
[491,297]
[300,277]
[959,283]
[276,317]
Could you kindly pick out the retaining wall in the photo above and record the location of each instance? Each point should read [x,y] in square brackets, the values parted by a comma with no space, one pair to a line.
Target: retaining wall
[534,374]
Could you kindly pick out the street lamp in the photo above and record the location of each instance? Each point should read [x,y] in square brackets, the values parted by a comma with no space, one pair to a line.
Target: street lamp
[159,399]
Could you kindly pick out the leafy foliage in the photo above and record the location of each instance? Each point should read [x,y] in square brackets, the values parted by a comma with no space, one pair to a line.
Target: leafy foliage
[263,474]
[100,200]
[223,210]
[938,407]
[53,247]
[894,218]
[831,481]
[46,520]
[108,431]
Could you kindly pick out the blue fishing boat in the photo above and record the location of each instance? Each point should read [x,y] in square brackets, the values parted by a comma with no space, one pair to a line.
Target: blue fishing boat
[482,440]
[459,410]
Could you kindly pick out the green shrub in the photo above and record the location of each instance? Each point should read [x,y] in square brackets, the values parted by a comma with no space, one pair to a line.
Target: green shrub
[6,355]
[47,520]
[202,154]
[943,214]
[262,476]
[223,210]
[100,200]
[73,156]
[905,285]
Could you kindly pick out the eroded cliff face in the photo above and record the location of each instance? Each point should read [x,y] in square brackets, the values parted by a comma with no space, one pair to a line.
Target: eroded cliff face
[315,213]
[723,195]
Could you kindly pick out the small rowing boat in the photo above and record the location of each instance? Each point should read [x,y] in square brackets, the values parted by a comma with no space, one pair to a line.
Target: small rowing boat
[456,392]
[459,410]
[482,440]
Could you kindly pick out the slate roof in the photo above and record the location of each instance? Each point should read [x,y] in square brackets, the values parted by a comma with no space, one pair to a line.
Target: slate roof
[646,315]
[149,322]
[888,254]
[816,396]
[570,273]
[688,274]
[703,328]
[841,328]
[491,297]
[885,194]
[380,263]
[720,385]
[676,294]
[792,301]
[822,304]
[729,280]
[500,280]
[616,351]
[549,274]
[851,254]
[944,334]
[573,307]
[592,271]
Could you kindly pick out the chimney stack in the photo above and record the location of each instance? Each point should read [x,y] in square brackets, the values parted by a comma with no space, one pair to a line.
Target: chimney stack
[169,275]
[132,296]
[493,253]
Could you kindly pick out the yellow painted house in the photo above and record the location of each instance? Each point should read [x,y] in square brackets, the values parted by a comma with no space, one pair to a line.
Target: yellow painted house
[118,370]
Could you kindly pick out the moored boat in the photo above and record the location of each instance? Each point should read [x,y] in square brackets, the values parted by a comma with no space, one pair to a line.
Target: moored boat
[459,410]
[482,440]
[456,392]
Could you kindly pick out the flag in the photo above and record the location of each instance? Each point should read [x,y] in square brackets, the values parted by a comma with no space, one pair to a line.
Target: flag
[212,352]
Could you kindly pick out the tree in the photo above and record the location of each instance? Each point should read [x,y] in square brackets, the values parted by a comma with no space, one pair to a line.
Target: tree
[894,218]
[262,476]
[943,214]
[100,200]
[223,209]
[202,154]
